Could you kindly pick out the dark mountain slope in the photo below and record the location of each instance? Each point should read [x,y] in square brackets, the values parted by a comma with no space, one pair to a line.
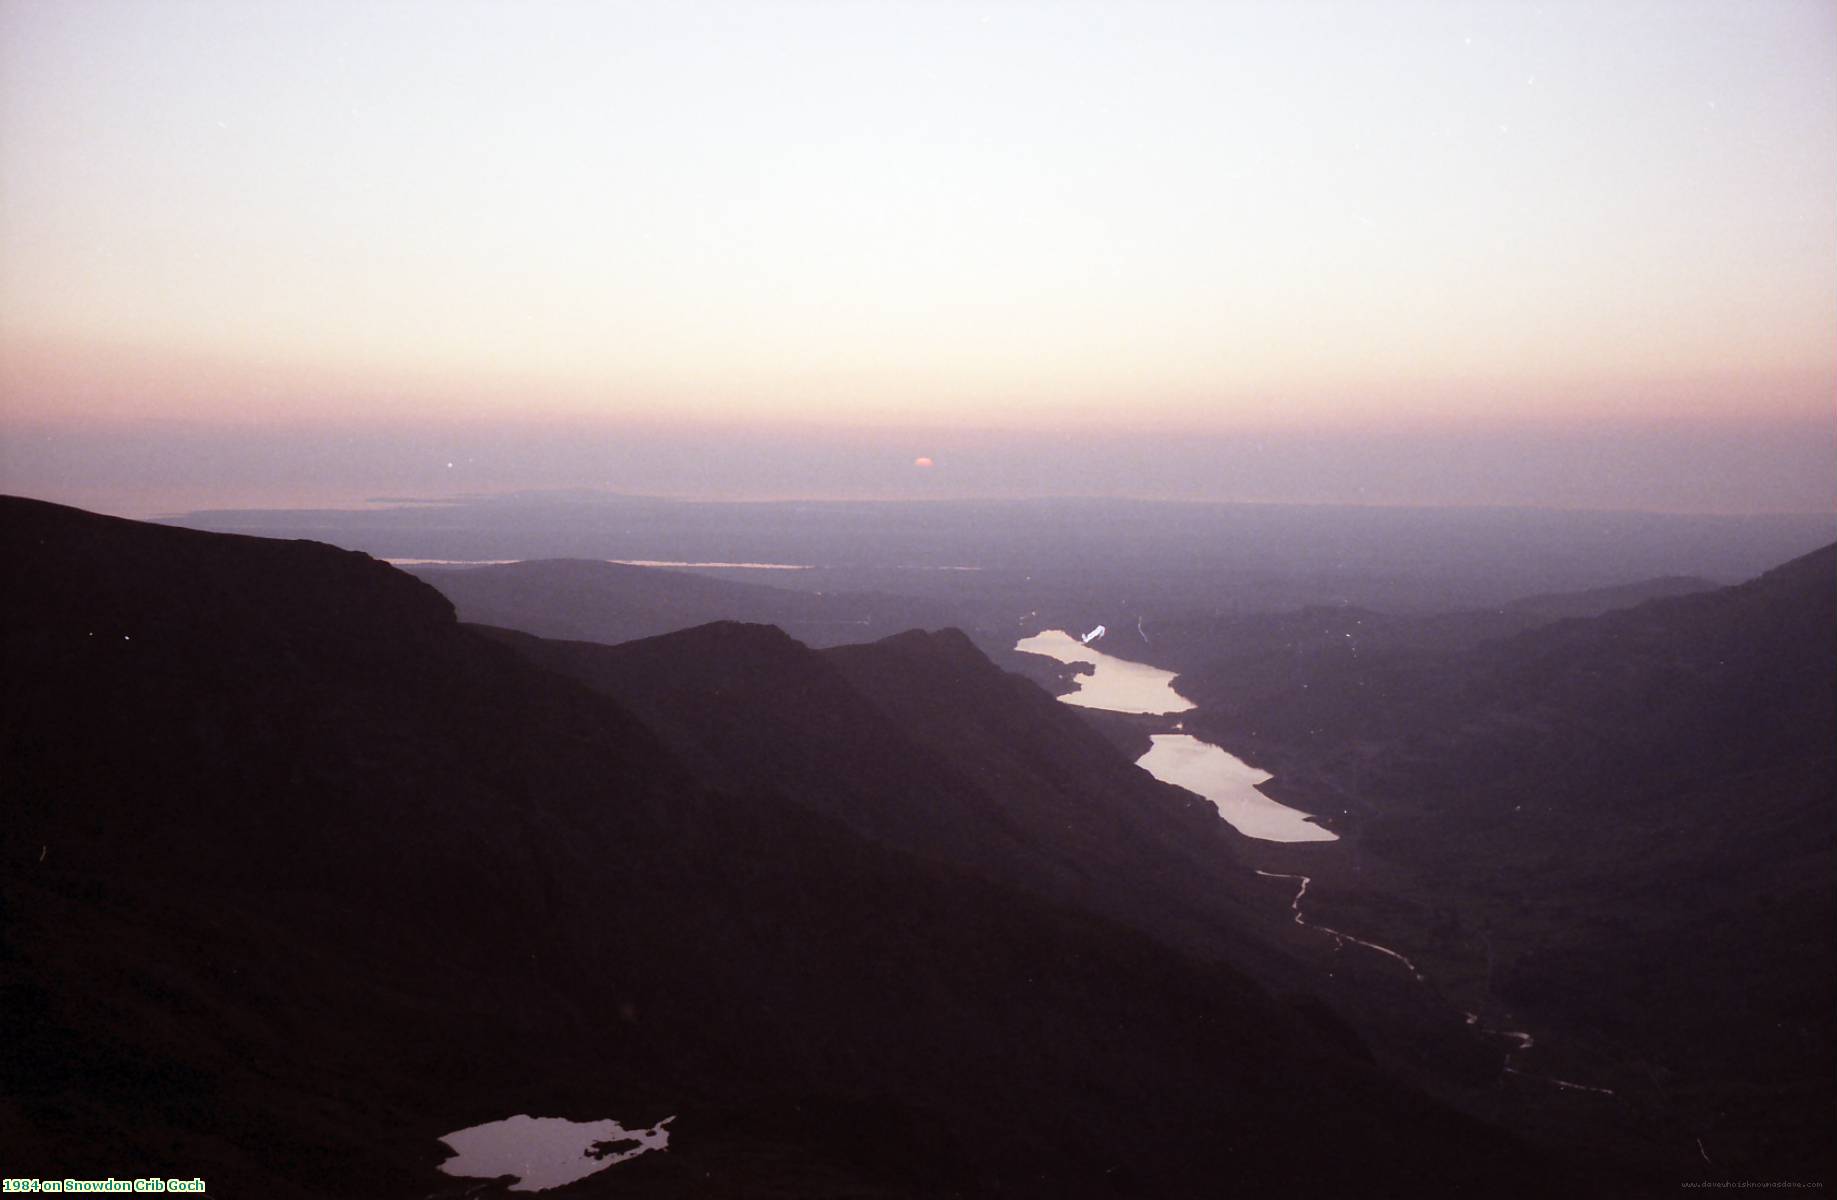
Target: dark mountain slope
[1631,821]
[1556,606]
[1648,696]
[301,874]
[752,709]
[1241,656]
[1134,846]
[607,602]
[920,742]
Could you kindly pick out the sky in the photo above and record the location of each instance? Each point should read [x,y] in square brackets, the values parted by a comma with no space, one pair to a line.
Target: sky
[1564,255]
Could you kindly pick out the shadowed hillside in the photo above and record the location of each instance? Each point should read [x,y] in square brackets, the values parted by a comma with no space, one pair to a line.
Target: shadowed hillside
[1624,828]
[301,874]
[918,741]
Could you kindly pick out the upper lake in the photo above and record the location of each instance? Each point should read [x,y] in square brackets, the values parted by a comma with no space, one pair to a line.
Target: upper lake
[1116,684]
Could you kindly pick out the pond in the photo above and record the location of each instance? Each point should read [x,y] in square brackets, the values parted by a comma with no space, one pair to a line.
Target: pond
[546,1152]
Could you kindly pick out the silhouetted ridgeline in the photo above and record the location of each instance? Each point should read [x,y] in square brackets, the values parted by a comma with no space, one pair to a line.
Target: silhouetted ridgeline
[920,742]
[300,874]
[597,601]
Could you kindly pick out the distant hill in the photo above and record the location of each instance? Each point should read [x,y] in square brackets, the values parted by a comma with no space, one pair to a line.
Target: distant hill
[1236,653]
[300,874]
[1082,560]
[612,602]
[1627,822]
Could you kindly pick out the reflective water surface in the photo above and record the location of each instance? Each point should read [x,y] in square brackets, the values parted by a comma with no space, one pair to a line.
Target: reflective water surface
[1229,783]
[1117,684]
[546,1152]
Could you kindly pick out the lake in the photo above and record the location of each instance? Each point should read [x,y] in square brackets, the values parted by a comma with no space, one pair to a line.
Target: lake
[1230,784]
[1118,685]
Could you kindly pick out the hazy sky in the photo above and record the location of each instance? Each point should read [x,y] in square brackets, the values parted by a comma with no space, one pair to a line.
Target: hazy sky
[1567,254]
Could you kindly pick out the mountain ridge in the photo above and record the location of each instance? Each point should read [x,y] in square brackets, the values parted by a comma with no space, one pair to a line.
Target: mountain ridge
[295,887]
[1620,826]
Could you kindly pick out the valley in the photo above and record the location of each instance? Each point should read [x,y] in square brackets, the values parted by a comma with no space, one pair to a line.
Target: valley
[711,869]
[901,601]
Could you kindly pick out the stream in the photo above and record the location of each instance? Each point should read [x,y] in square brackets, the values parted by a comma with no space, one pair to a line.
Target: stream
[1119,685]
[1521,1041]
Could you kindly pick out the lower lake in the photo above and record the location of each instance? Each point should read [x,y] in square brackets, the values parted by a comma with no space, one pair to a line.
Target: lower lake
[1230,784]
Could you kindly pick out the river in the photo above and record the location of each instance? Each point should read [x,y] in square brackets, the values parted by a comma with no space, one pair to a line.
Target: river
[1118,685]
